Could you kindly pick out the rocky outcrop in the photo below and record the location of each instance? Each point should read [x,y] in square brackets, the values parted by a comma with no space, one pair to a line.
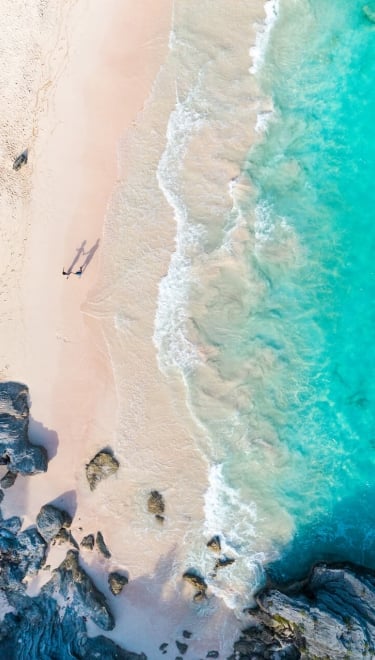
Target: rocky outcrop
[50,520]
[16,451]
[116,582]
[102,466]
[198,582]
[331,616]
[71,582]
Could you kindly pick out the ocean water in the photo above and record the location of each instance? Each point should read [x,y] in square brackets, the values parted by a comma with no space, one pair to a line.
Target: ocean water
[267,310]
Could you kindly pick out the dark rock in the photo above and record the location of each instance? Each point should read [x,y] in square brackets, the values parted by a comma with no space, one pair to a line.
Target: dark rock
[100,544]
[102,466]
[71,582]
[8,479]
[163,646]
[88,542]
[223,562]
[155,503]
[212,654]
[159,518]
[1,496]
[117,582]
[186,634]
[182,647]
[195,580]
[20,160]
[12,524]
[15,449]
[65,536]
[199,596]
[214,544]
[50,520]
[329,615]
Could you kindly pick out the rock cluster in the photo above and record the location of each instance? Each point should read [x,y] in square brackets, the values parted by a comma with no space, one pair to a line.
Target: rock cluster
[16,451]
[52,624]
[330,615]
[102,466]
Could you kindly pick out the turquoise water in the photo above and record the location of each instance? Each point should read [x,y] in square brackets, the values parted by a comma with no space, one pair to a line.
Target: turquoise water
[315,169]
[270,312]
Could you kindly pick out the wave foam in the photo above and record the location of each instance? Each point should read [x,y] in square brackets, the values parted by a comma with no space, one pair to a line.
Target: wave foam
[264,29]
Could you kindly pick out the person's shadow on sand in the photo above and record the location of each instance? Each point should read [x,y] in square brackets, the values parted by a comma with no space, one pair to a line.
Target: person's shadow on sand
[89,255]
[80,252]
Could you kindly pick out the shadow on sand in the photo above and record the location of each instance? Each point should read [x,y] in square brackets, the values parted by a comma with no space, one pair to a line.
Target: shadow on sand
[80,253]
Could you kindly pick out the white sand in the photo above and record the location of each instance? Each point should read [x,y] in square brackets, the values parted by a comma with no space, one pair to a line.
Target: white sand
[73,94]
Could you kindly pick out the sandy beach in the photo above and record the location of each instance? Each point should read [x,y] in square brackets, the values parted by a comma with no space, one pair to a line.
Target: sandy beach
[85,110]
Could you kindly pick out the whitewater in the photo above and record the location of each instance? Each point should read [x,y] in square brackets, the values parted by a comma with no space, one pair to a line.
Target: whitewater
[267,309]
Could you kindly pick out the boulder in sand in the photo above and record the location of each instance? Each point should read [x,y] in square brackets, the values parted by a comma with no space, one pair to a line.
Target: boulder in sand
[102,466]
[116,582]
[50,520]
[156,505]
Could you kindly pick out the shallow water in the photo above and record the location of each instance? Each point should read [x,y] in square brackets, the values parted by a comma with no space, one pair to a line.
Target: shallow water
[267,309]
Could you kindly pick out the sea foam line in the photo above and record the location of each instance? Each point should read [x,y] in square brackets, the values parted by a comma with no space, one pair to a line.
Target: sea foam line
[263,31]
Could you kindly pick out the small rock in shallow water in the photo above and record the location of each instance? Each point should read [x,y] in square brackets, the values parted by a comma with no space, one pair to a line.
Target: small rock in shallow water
[163,646]
[195,580]
[102,466]
[159,518]
[223,562]
[155,503]
[117,582]
[186,634]
[50,520]
[100,544]
[88,542]
[212,654]
[8,479]
[214,544]
[182,647]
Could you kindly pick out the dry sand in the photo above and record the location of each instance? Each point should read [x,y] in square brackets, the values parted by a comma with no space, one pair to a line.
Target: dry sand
[74,96]
[70,96]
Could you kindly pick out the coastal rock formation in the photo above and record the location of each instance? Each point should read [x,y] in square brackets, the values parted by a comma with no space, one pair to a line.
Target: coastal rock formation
[50,520]
[198,582]
[101,545]
[156,505]
[71,582]
[330,615]
[16,451]
[116,582]
[102,466]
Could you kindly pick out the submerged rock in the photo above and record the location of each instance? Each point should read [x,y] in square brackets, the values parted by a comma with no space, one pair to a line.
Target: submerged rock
[182,647]
[50,520]
[116,582]
[223,562]
[369,11]
[16,451]
[102,466]
[88,542]
[100,544]
[329,615]
[155,504]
